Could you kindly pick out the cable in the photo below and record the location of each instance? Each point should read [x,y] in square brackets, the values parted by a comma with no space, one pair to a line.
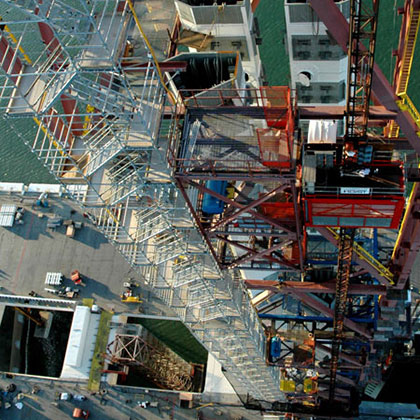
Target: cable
[149,46]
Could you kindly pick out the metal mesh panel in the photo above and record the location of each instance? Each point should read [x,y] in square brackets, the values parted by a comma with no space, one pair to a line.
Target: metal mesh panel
[274,147]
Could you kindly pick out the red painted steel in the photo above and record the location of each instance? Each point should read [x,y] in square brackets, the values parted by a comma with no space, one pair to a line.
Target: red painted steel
[11,63]
[274,147]
[59,130]
[276,106]
[72,117]
[279,210]
[244,209]
[253,255]
[53,45]
[367,209]
[240,206]
[312,287]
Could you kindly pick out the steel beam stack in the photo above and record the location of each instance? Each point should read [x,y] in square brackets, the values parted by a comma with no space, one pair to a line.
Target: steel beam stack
[68,93]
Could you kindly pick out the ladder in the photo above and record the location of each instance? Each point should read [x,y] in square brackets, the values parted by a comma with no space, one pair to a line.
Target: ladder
[408,53]
[345,254]
[369,258]
[406,63]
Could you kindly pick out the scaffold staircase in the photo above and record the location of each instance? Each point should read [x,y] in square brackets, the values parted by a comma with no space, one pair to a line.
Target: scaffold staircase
[404,73]
[139,211]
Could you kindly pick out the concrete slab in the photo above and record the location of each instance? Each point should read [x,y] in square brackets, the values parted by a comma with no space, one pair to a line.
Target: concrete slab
[31,250]
[111,403]
[217,387]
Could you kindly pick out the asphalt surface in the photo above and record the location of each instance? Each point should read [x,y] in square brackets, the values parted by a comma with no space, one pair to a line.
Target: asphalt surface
[30,250]
[108,404]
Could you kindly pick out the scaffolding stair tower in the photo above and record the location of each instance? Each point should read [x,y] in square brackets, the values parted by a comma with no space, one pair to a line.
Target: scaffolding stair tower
[106,128]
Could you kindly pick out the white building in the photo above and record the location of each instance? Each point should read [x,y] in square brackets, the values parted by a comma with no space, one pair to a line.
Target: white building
[318,66]
[225,27]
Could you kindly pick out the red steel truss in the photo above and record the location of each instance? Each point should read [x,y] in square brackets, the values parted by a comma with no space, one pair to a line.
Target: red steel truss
[258,225]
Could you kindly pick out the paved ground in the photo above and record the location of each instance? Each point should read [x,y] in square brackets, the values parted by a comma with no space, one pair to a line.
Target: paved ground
[30,250]
[113,405]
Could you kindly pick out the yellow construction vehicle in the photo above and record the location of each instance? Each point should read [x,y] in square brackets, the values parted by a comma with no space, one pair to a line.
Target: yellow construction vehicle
[130,294]
[130,299]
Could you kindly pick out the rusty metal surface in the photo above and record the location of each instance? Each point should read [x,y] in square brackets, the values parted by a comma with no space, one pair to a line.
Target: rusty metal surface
[312,287]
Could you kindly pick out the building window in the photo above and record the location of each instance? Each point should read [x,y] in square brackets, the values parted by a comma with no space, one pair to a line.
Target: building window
[303,55]
[315,47]
[316,92]
[301,42]
[324,41]
[325,55]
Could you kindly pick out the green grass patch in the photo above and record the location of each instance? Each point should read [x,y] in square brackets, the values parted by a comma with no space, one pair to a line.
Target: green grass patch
[177,337]
[100,348]
[88,302]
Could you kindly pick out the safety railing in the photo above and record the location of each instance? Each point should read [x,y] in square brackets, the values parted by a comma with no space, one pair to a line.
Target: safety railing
[406,104]
[366,256]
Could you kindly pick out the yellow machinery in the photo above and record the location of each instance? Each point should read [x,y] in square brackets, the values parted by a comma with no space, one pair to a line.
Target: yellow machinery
[130,295]
[130,299]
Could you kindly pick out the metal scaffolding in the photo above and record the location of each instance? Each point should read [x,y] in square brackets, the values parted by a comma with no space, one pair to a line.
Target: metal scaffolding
[163,366]
[237,149]
[363,23]
[97,119]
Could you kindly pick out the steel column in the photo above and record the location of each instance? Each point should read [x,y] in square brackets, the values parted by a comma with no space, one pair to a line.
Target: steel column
[256,254]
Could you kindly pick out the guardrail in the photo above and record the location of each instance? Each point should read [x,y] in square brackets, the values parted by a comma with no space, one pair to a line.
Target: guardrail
[366,256]
[38,302]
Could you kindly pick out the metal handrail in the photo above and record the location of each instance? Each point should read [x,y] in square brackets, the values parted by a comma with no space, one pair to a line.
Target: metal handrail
[406,104]
[366,256]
